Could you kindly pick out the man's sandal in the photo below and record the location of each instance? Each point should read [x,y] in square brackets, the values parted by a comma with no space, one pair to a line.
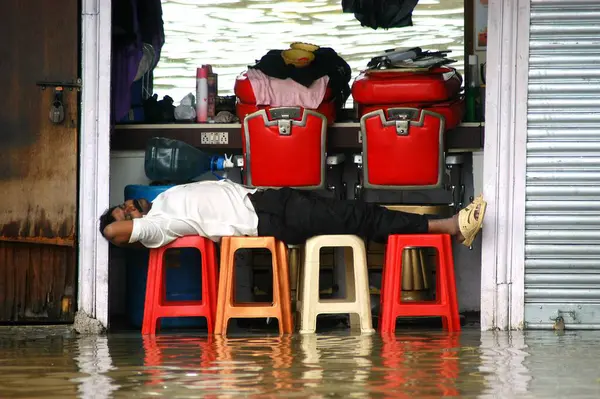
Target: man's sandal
[470,225]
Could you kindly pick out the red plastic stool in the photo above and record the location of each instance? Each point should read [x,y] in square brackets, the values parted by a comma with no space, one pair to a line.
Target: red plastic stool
[445,304]
[156,305]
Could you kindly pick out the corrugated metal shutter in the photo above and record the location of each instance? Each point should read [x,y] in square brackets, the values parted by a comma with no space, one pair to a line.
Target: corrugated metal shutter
[562,252]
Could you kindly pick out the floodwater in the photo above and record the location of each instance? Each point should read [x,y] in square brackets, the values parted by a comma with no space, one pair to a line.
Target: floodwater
[232,34]
[45,363]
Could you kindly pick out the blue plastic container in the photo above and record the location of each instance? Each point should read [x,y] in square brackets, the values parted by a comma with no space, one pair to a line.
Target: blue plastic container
[184,277]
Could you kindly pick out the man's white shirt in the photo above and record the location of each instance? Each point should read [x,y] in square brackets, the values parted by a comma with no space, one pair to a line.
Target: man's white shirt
[211,209]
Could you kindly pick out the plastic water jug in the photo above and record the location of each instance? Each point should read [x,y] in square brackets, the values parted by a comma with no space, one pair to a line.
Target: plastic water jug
[178,162]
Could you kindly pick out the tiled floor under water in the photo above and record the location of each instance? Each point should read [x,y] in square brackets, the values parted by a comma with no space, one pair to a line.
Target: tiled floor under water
[42,362]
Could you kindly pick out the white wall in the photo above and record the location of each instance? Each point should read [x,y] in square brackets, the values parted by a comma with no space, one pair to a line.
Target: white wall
[478,172]
[127,167]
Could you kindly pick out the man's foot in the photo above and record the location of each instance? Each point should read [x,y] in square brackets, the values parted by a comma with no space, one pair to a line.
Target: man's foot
[456,229]
[469,220]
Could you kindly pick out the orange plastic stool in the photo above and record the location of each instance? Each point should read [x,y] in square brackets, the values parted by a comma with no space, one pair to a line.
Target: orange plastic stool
[156,306]
[281,306]
[445,304]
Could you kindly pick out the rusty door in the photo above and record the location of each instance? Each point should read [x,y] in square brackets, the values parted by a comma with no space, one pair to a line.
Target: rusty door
[38,161]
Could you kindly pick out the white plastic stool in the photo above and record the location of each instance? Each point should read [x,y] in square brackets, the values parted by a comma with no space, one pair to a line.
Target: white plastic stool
[357,302]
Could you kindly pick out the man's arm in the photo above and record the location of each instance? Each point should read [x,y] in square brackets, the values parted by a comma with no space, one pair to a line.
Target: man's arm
[119,232]
[144,232]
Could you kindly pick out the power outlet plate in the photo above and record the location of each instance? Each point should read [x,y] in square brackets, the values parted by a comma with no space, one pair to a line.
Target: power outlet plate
[214,138]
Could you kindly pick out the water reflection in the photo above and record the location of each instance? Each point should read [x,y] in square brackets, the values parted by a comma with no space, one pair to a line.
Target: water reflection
[165,354]
[219,365]
[418,366]
[337,364]
[230,34]
[266,362]
[503,366]
[407,365]
[94,361]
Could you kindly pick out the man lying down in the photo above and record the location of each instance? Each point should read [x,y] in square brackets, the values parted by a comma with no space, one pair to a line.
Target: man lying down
[216,209]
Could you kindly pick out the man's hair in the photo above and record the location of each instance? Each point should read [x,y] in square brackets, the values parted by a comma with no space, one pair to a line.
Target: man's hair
[107,218]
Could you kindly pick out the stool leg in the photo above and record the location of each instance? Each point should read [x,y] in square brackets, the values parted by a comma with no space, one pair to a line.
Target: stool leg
[407,271]
[351,292]
[384,303]
[361,289]
[396,291]
[209,285]
[451,284]
[276,266]
[225,277]
[392,282]
[355,322]
[310,289]
[447,322]
[283,284]
[417,274]
[152,293]
[299,290]
[351,288]
[424,267]
[440,281]
[441,292]
[294,259]
[308,319]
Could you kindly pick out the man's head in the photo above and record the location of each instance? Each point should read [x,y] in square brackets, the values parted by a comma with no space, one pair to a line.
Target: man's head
[130,209]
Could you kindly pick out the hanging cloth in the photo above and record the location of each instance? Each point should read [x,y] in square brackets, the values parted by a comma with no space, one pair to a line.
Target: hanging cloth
[135,24]
[326,63]
[381,13]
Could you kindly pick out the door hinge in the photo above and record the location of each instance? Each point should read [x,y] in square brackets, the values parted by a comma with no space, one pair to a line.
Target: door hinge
[66,85]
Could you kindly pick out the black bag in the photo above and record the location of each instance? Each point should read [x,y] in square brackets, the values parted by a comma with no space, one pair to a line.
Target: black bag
[156,111]
[381,13]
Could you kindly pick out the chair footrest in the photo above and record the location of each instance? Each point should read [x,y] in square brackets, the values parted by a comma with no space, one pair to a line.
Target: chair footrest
[253,310]
[170,304]
[423,310]
[267,305]
[337,307]
[190,310]
[253,313]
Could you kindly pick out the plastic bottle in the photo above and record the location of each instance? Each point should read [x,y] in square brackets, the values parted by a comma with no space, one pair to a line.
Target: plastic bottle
[212,91]
[201,94]
[174,161]
[473,91]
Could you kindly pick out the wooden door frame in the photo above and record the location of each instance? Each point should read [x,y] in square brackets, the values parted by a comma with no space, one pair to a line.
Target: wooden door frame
[94,165]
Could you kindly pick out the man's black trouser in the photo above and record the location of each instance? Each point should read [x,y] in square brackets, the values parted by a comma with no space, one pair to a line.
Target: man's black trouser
[293,216]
